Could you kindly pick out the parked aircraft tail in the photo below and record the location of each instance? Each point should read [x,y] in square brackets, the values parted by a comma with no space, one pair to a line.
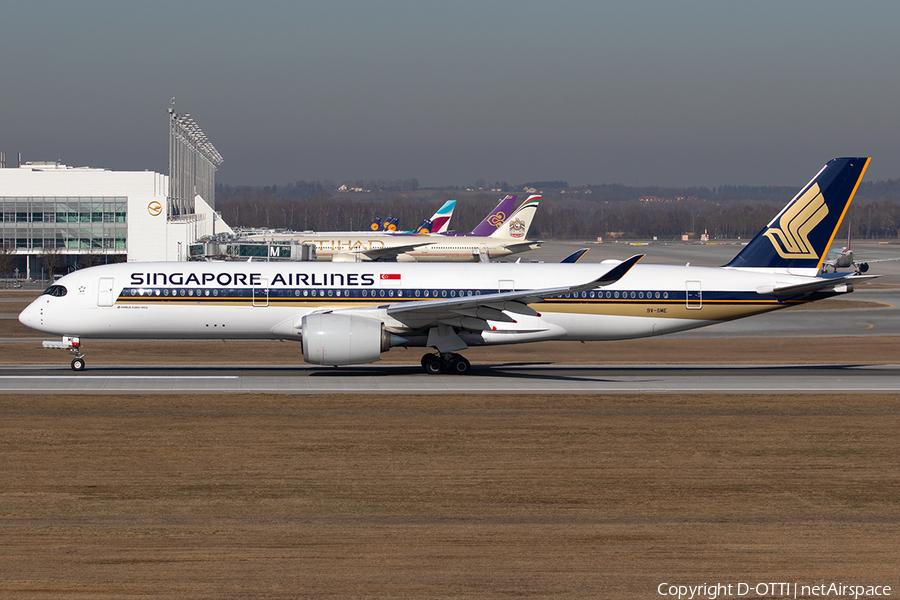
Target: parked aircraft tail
[800,235]
[495,218]
[441,219]
[425,226]
[518,224]
[376,224]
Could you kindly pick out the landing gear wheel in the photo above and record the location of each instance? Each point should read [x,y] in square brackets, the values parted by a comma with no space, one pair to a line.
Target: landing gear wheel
[432,364]
[459,365]
[78,364]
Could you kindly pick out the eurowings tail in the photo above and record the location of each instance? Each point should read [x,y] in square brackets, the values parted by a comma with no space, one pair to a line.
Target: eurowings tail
[440,220]
[798,238]
[495,218]
[517,225]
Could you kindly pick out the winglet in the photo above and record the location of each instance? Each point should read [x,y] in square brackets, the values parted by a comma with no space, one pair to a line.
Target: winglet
[618,271]
[575,256]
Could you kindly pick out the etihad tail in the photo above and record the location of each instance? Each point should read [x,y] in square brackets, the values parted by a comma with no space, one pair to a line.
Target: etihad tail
[518,223]
[800,235]
[495,218]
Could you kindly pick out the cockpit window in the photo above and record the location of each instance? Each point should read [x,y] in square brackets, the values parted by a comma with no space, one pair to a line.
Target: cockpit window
[55,290]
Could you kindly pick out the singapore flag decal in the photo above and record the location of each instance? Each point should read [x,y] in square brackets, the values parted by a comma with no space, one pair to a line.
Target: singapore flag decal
[390,279]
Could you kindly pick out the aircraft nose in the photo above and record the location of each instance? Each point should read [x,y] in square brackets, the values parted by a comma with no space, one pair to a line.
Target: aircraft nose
[31,316]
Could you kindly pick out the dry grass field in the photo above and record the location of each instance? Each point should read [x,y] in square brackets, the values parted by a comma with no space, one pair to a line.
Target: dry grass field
[445,496]
[442,496]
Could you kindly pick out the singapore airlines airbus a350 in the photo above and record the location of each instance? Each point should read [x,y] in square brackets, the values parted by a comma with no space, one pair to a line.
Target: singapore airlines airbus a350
[349,313]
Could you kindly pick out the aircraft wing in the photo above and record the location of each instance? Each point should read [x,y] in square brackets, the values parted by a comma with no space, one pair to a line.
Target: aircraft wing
[491,306]
[389,253]
[875,260]
[784,292]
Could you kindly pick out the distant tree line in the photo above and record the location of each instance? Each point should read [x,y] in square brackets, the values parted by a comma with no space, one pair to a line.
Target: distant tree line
[565,213]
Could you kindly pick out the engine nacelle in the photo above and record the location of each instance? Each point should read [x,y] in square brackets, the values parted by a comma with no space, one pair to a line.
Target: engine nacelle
[335,339]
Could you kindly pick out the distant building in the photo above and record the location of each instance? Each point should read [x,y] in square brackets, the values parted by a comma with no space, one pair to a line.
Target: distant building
[84,216]
[58,218]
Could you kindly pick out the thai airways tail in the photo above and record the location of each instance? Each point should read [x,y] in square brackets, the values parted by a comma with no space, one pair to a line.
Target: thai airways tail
[798,238]
[495,218]
[518,223]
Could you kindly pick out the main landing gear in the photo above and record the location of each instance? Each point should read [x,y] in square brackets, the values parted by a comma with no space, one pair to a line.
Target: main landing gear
[448,362]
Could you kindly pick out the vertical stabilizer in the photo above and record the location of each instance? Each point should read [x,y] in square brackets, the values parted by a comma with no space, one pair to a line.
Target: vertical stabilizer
[440,221]
[495,218]
[800,235]
[518,224]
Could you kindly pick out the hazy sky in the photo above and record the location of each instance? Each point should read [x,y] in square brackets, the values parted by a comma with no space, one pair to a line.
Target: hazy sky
[648,92]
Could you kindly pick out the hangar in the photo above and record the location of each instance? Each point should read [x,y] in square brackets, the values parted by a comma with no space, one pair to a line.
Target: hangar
[56,218]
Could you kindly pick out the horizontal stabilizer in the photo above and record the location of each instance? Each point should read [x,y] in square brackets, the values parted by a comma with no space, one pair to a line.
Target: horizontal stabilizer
[819,285]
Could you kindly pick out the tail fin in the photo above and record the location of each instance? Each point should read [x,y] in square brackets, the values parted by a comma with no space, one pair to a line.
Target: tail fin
[495,218]
[390,224]
[424,227]
[800,235]
[518,224]
[440,220]
[376,224]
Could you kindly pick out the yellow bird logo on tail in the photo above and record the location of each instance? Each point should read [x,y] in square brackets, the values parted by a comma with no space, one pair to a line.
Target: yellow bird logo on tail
[791,238]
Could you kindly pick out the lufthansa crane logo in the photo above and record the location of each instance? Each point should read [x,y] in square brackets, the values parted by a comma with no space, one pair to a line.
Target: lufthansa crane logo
[154,208]
[791,237]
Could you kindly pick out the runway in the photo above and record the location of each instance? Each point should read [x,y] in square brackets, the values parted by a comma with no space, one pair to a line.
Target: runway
[493,379]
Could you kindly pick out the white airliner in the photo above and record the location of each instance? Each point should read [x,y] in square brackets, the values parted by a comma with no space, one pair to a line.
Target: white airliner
[349,313]
[499,234]
[846,258]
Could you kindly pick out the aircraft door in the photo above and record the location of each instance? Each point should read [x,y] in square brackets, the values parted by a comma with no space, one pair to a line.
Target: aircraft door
[105,291]
[694,298]
[506,285]
[261,293]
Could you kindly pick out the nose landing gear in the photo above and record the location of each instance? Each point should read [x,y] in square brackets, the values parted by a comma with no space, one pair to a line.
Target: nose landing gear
[73,345]
[447,362]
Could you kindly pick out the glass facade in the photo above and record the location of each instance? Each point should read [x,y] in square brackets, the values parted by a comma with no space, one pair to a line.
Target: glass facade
[79,223]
